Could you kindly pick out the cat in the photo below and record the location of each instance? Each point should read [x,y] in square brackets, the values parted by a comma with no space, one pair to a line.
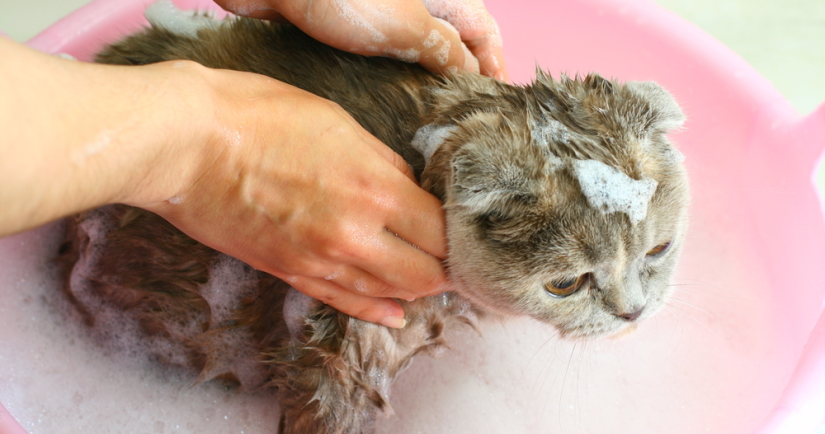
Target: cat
[564,202]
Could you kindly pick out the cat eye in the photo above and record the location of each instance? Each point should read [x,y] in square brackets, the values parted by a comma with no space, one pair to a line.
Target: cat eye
[565,287]
[658,250]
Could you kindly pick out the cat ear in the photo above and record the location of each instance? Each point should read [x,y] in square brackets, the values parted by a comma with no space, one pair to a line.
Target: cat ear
[483,183]
[666,115]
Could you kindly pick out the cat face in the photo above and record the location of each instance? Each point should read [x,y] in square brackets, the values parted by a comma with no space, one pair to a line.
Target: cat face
[564,200]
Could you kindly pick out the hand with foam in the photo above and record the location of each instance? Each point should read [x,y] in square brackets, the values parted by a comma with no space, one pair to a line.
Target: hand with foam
[441,35]
[292,185]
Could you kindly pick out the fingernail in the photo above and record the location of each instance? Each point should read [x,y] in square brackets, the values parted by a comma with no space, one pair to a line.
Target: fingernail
[393,322]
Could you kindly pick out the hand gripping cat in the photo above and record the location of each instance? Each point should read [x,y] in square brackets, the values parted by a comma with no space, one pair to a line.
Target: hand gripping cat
[564,202]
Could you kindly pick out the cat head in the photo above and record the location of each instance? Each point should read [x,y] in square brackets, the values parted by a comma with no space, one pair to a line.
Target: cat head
[564,199]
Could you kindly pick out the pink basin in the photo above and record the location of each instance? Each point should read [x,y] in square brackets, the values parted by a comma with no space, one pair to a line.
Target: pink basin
[740,348]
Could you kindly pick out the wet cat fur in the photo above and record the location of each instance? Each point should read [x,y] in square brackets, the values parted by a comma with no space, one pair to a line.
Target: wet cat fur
[517,221]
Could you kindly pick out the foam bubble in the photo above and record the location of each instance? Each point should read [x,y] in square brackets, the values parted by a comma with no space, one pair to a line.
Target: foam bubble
[230,280]
[610,190]
[360,285]
[432,39]
[410,55]
[430,137]
[164,14]
[355,18]
[334,275]
[443,53]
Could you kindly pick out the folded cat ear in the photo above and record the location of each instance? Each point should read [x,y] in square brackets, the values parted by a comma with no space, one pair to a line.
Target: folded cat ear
[482,183]
[665,114]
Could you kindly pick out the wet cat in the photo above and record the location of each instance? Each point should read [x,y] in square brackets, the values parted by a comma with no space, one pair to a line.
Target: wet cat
[564,202]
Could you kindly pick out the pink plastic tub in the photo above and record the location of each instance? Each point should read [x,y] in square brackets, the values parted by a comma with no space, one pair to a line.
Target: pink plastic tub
[740,349]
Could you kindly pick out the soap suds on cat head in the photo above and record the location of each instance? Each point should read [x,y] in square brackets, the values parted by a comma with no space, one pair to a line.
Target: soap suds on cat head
[610,190]
[430,137]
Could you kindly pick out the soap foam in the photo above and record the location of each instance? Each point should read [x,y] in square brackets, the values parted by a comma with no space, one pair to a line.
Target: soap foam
[549,131]
[296,307]
[355,18]
[430,137]
[610,190]
[410,55]
[546,132]
[164,14]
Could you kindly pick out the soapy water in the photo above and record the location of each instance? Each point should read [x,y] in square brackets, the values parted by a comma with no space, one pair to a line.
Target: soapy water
[610,190]
[515,376]
[430,137]
[119,333]
[57,378]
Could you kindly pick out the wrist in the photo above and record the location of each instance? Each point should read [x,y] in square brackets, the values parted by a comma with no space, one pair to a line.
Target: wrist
[180,125]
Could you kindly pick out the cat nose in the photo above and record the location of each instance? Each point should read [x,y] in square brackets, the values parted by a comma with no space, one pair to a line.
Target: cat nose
[631,316]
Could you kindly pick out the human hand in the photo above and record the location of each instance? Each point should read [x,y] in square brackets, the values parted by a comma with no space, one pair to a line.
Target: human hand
[292,185]
[404,29]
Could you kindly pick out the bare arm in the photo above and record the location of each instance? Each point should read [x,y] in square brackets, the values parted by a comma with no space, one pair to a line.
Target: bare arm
[258,169]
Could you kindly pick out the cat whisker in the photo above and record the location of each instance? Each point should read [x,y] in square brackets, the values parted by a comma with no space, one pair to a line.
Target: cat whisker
[544,366]
[693,318]
[692,305]
[703,288]
[564,383]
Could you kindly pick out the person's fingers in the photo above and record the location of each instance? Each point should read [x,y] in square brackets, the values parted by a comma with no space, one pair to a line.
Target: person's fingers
[478,31]
[383,311]
[490,57]
[260,9]
[442,50]
[360,282]
[420,221]
[401,265]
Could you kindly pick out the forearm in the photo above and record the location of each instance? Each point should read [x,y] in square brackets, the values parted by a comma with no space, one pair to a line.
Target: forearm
[75,135]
